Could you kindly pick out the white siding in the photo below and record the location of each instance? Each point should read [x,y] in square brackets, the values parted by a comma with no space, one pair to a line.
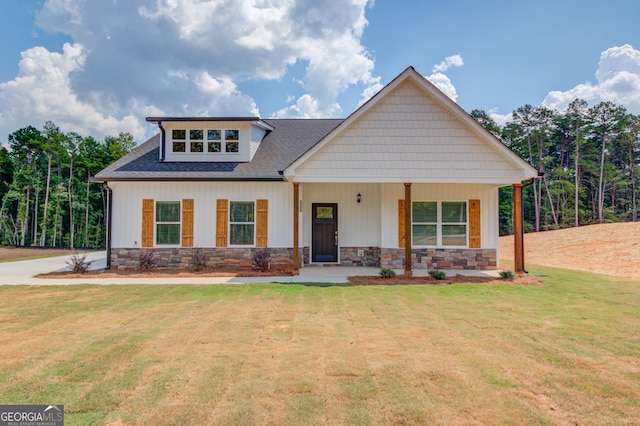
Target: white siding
[257,134]
[487,194]
[128,196]
[409,136]
[358,223]
[244,145]
[372,222]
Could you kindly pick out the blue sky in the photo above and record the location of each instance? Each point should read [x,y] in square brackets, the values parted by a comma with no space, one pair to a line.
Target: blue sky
[101,67]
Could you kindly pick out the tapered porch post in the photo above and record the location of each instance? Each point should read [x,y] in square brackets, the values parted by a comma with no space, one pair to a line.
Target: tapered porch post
[296,219]
[518,231]
[407,230]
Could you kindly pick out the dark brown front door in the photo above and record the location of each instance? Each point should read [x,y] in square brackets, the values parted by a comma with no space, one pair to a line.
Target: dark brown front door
[324,232]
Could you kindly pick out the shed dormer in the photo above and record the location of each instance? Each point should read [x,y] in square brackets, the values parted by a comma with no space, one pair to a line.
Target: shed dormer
[210,139]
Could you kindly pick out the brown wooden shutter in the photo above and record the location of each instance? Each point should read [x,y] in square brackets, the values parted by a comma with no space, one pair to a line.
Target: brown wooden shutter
[474,224]
[222,216]
[187,223]
[401,224]
[262,222]
[147,223]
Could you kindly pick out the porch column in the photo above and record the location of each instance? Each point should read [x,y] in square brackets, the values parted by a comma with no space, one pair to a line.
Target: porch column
[296,221]
[518,230]
[407,230]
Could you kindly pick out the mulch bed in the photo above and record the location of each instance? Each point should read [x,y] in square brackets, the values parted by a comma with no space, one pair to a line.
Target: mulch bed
[172,273]
[230,272]
[456,279]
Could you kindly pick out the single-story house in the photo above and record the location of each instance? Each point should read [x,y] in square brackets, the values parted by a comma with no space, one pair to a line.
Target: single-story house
[409,174]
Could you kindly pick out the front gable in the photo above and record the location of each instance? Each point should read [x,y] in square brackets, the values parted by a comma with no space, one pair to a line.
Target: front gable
[410,131]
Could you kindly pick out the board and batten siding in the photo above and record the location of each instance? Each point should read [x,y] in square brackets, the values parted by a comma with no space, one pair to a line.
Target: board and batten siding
[128,196]
[358,223]
[374,222]
[486,194]
[409,135]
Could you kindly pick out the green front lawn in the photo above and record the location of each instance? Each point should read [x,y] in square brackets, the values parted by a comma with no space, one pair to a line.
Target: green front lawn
[566,352]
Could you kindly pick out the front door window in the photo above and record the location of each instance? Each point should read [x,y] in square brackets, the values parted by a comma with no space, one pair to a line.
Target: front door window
[324,232]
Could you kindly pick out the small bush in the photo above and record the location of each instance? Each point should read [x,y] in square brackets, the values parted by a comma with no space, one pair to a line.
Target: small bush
[507,275]
[79,264]
[387,273]
[199,261]
[437,274]
[260,260]
[146,261]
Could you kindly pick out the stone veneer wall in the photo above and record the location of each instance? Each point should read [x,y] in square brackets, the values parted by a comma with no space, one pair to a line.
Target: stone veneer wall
[349,257]
[474,259]
[128,258]
[370,257]
[479,259]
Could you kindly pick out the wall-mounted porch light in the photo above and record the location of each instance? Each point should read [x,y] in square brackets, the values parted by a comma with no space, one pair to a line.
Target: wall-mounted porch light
[359,198]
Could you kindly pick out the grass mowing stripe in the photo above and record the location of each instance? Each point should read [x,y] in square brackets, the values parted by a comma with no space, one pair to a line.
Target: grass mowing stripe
[564,352]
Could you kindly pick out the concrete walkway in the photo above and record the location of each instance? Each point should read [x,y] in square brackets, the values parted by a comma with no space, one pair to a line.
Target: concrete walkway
[23,273]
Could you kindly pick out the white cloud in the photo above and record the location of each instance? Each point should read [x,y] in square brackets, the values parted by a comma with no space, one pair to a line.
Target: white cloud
[442,82]
[617,80]
[308,107]
[449,61]
[500,119]
[42,92]
[217,87]
[188,57]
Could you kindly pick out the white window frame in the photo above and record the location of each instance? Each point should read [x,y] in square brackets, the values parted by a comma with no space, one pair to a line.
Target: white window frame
[156,223]
[205,141]
[439,224]
[230,223]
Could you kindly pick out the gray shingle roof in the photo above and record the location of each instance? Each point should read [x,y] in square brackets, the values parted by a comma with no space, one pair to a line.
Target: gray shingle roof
[289,140]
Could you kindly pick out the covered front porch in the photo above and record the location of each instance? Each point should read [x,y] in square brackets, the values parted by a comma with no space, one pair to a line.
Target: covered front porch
[445,226]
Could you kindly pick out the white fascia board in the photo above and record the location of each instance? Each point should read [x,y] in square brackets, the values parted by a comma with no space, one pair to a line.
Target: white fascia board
[377,179]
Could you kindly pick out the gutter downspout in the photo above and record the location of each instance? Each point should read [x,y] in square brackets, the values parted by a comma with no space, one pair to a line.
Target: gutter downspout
[108,213]
[162,142]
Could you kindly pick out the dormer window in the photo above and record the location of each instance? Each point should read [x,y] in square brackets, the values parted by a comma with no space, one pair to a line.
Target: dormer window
[231,140]
[214,141]
[210,139]
[179,141]
[196,143]
[218,140]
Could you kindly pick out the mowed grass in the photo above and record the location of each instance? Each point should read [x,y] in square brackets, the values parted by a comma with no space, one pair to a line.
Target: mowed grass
[566,352]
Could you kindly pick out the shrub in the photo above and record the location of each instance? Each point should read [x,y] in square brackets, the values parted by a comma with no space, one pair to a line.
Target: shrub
[199,261]
[146,261]
[437,274]
[79,264]
[260,260]
[507,275]
[387,273]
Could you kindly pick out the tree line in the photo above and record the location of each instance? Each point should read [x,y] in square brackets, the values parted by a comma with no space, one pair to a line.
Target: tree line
[47,198]
[588,158]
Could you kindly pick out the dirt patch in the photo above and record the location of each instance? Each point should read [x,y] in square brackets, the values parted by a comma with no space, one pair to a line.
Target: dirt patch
[612,248]
[173,273]
[455,279]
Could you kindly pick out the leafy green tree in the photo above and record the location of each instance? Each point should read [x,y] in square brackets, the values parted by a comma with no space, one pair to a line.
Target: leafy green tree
[486,121]
[576,116]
